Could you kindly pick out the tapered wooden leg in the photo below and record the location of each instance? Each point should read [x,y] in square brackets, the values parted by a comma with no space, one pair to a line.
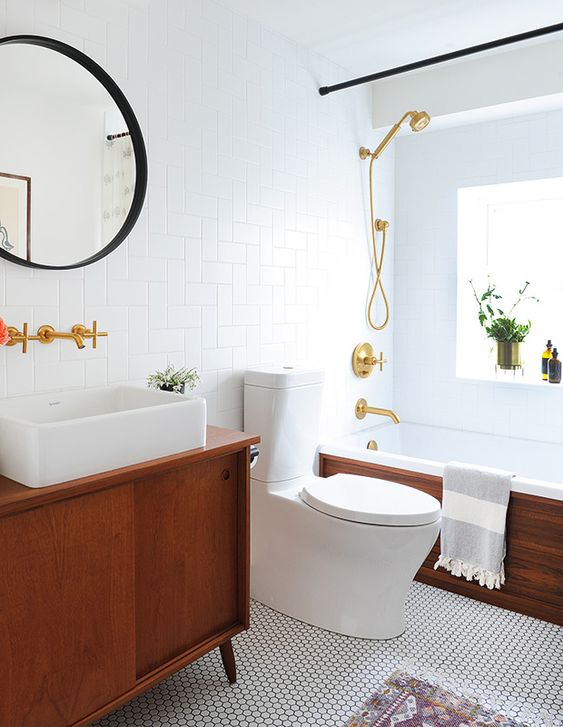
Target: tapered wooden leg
[228,658]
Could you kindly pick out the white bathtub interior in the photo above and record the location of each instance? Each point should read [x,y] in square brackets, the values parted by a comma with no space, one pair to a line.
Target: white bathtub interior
[538,466]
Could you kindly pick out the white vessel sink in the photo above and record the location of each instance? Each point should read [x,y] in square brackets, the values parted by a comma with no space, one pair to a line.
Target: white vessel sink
[51,438]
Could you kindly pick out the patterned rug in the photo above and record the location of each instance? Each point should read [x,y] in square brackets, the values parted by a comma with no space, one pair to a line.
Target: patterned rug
[411,702]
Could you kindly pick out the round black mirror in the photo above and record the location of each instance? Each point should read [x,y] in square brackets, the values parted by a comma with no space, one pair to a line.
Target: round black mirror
[73,165]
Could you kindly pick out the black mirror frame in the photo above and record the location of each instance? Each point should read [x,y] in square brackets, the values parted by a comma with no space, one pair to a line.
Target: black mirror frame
[141,165]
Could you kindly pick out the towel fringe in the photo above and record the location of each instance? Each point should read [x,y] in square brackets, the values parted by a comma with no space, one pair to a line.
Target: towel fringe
[471,572]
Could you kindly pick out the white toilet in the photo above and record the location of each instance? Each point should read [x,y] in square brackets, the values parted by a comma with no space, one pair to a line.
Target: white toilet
[340,552]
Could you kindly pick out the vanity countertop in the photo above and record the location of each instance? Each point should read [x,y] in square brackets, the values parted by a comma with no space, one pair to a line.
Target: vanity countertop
[15,497]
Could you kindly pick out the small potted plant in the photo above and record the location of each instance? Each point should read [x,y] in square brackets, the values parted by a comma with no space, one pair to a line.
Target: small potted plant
[502,326]
[172,379]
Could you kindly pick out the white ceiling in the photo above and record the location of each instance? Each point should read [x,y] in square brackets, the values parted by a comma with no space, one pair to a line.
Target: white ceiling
[365,36]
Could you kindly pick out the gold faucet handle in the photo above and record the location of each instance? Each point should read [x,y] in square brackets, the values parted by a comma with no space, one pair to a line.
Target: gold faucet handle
[96,333]
[380,361]
[92,333]
[17,336]
[22,337]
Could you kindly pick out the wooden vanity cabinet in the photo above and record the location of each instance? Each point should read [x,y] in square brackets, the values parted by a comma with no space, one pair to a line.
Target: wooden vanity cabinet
[111,583]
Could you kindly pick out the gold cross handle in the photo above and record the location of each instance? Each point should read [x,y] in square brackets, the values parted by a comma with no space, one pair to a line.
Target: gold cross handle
[22,337]
[92,333]
[364,360]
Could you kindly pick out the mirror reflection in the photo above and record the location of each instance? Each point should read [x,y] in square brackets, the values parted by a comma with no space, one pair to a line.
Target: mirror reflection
[67,164]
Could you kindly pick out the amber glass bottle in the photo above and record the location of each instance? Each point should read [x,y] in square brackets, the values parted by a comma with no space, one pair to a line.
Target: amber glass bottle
[546,355]
[554,369]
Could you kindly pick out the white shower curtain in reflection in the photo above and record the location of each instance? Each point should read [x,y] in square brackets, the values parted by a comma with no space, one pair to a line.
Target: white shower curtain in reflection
[118,185]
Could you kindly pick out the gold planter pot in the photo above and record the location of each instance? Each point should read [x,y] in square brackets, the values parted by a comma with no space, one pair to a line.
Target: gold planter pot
[509,355]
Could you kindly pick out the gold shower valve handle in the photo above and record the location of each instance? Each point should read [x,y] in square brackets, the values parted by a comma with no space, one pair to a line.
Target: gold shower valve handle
[92,333]
[364,360]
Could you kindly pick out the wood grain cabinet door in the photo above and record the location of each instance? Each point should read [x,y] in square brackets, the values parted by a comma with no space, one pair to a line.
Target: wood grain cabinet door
[66,609]
[187,530]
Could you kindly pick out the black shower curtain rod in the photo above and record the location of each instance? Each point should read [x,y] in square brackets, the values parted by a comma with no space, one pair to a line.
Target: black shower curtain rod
[324,90]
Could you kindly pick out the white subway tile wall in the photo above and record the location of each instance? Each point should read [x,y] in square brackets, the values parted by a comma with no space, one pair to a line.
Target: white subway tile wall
[252,247]
[429,169]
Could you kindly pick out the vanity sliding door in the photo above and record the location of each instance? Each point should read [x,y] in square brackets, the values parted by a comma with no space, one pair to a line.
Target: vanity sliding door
[67,640]
[190,532]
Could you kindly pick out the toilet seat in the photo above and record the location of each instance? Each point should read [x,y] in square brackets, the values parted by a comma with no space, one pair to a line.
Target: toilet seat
[370,500]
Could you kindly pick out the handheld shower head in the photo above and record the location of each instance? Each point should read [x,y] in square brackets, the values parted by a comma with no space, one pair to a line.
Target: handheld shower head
[418,121]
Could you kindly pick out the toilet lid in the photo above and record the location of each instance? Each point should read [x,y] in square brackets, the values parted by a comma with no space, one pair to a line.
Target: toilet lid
[370,500]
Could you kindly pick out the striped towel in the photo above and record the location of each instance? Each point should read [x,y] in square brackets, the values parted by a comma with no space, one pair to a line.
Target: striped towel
[473,523]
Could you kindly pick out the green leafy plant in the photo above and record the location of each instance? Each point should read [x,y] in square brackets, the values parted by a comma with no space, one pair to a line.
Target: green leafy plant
[499,325]
[173,379]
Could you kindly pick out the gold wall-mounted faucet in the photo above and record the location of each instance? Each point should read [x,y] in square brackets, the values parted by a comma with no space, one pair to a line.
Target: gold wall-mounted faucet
[47,334]
[362,409]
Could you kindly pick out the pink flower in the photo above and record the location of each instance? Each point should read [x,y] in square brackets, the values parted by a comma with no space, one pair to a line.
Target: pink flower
[4,335]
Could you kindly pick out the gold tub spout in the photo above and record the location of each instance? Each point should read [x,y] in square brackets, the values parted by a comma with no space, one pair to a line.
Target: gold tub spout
[362,409]
[47,334]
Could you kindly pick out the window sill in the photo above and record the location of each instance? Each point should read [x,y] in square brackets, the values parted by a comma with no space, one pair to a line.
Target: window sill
[516,381]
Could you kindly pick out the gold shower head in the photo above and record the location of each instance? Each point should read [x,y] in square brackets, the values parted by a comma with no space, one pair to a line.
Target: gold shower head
[419,120]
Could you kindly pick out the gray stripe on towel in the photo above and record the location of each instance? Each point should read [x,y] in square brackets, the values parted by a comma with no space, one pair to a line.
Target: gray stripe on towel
[480,483]
[479,544]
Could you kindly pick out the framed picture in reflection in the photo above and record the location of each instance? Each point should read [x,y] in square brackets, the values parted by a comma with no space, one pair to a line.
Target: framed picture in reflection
[15,214]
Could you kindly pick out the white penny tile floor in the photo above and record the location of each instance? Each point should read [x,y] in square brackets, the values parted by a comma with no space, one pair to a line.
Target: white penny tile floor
[290,673]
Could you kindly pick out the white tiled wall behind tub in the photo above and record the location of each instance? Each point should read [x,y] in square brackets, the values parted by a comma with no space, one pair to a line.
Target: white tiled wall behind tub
[429,169]
[252,246]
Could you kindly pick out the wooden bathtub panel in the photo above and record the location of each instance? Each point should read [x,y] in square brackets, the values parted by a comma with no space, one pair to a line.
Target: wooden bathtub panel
[534,560]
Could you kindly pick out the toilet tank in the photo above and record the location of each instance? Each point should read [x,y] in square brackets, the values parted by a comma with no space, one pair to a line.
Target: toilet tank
[282,404]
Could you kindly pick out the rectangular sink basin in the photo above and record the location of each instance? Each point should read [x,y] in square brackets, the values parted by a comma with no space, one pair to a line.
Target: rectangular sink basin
[50,438]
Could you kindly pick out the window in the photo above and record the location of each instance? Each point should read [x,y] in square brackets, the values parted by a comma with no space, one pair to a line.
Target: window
[510,233]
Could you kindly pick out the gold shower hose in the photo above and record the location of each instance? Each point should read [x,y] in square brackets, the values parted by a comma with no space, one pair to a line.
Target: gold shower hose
[377,226]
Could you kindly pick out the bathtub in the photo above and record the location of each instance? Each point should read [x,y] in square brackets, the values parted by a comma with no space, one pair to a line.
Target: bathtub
[415,455]
[538,466]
